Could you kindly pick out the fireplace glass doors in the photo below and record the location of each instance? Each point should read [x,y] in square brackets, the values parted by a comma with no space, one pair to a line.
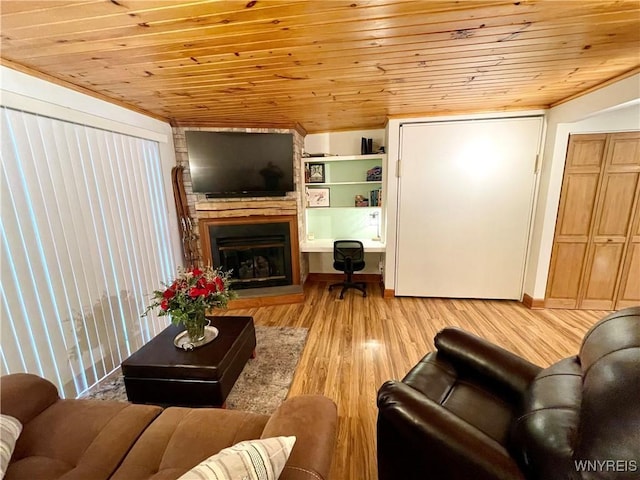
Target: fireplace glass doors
[258,255]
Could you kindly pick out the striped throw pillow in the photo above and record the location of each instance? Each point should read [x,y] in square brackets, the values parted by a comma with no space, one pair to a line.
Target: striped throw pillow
[10,429]
[249,460]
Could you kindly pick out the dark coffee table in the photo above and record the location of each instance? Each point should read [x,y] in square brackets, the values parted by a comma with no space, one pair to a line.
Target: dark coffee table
[162,374]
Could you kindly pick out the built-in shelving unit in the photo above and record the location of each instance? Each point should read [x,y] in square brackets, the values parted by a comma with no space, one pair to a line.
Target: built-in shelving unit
[345,177]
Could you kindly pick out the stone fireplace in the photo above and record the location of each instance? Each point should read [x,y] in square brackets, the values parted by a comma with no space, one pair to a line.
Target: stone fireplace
[205,212]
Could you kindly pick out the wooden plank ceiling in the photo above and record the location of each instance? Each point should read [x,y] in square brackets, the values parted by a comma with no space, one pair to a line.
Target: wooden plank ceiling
[322,65]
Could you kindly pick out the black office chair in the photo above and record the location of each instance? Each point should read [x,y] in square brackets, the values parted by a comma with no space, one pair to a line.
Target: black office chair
[348,256]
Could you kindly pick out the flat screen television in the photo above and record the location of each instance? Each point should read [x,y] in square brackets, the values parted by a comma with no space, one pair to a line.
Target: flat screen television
[238,164]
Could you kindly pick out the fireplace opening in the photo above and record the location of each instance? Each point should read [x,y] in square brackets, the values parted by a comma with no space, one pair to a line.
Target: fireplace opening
[253,259]
[258,255]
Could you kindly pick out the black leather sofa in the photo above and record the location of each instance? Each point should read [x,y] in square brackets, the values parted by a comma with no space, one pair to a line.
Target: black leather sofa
[473,410]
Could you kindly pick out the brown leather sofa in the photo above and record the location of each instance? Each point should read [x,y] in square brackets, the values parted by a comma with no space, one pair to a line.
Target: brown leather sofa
[93,439]
[472,410]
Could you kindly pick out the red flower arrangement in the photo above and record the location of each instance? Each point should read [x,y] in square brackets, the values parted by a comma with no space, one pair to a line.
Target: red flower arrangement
[191,294]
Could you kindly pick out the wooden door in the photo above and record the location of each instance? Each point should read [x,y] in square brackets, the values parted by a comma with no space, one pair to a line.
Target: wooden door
[629,291]
[627,157]
[594,257]
[614,214]
[585,160]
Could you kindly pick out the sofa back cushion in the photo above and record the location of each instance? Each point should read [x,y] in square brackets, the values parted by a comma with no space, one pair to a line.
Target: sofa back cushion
[608,438]
[24,396]
[78,439]
[544,435]
[581,415]
[180,438]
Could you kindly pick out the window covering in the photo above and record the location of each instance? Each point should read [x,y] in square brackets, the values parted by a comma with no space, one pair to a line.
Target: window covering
[85,240]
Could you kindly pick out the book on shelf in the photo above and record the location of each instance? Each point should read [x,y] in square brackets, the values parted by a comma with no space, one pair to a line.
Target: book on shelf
[375,197]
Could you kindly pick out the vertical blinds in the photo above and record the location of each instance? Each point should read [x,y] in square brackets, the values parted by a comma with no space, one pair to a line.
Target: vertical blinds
[85,240]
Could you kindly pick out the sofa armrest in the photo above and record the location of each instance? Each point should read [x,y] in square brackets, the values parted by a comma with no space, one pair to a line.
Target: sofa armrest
[495,364]
[24,396]
[415,435]
[313,420]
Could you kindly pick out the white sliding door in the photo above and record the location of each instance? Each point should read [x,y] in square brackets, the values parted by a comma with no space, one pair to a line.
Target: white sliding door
[466,192]
[84,241]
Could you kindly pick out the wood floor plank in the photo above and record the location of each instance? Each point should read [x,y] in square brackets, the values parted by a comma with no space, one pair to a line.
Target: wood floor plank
[356,344]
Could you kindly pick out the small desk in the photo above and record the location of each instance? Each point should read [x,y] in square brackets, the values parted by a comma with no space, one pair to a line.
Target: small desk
[325,245]
[162,374]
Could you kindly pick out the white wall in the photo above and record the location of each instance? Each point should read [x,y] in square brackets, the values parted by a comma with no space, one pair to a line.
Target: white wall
[24,92]
[342,143]
[613,108]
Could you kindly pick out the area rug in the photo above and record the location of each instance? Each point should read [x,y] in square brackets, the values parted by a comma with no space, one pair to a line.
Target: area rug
[262,385]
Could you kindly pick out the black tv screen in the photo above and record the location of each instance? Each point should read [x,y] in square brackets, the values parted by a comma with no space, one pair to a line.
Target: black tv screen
[238,164]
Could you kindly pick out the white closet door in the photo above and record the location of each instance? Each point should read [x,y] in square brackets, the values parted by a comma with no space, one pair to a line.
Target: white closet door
[466,193]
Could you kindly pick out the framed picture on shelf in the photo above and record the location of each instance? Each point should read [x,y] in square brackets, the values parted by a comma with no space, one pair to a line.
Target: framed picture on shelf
[316,172]
[318,197]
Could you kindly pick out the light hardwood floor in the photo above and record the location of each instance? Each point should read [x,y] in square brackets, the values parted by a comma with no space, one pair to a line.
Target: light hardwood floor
[356,344]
